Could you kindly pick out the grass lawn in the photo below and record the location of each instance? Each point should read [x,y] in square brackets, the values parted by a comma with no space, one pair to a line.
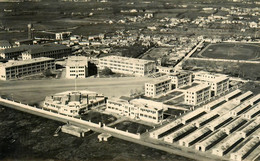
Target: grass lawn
[132,127]
[235,51]
[97,117]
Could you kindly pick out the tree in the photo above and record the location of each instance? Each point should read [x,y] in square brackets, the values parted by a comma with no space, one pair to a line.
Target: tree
[106,71]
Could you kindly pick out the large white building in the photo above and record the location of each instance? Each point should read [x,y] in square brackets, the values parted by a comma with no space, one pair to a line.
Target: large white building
[180,79]
[157,87]
[124,65]
[197,94]
[140,109]
[18,69]
[73,103]
[77,67]
[219,83]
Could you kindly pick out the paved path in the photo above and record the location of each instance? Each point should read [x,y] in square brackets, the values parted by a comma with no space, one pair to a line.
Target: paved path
[179,65]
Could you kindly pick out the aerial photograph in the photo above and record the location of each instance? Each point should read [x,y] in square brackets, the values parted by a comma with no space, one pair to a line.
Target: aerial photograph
[129,80]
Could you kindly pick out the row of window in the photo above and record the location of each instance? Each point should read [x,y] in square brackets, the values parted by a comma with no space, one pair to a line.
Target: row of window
[77,67]
[77,74]
[77,70]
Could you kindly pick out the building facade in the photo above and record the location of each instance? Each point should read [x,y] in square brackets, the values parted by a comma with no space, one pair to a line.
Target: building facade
[77,67]
[219,83]
[18,69]
[157,87]
[11,53]
[138,109]
[180,79]
[197,94]
[51,50]
[124,65]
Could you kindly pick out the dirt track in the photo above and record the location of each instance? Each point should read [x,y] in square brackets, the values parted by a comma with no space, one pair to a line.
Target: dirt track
[33,91]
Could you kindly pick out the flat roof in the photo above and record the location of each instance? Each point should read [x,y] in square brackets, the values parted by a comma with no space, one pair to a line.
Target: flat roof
[159,80]
[198,87]
[19,48]
[80,91]
[126,59]
[179,73]
[24,62]
[77,60]
[47,48]
[147,103]
[215,76]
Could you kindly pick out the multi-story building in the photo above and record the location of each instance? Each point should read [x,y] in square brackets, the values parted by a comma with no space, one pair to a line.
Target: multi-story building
[4,44]
[73,103]
[166,70]
[157,87]
[124,65]
[180,79]
[13,53]
[140,109]
[50,50]
[219,83]
[77,67]
[18,69]
[197,94]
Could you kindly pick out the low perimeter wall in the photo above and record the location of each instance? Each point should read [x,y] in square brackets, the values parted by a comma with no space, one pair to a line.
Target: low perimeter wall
[45,112]
[126,133]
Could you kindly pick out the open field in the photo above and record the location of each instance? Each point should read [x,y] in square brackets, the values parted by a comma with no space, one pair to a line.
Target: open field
[158,52]
[234,51]
[34,91]
[243,70]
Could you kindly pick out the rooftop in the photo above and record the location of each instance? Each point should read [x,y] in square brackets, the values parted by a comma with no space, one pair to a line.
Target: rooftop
[24,62]
[47,48]
[179,73]
[210,76]
[4,43]
[159,80]
[77,60]
[198,87]
[228,142]
[83,92]
[147,103]
[247,147]
[212,138]
[17,49]
[126,59]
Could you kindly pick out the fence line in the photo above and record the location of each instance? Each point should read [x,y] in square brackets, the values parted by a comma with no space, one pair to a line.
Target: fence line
[225,60]
[126,133]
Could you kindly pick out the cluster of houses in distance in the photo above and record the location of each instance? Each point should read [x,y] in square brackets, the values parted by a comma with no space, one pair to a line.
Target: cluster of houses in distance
[218,116]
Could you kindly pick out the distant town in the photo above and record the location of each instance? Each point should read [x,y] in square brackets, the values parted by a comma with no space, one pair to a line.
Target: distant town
[179,77]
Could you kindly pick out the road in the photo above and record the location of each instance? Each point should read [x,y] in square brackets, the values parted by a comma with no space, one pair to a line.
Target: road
[179,65]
